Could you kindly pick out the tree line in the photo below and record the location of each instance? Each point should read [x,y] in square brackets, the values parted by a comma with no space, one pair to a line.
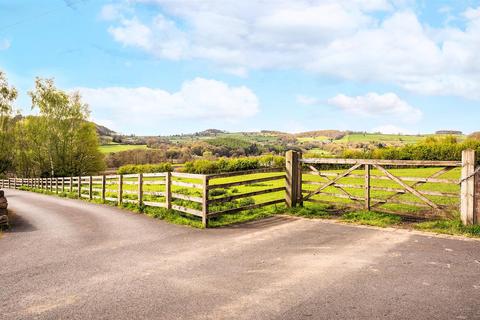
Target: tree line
[447,148]
[57,141]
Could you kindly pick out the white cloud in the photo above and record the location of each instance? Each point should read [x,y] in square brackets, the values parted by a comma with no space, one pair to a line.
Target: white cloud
[110,12]
[197,99]
[378,106]
[345,39]
[307,100]
[4,44]
[391,129]
[132,33]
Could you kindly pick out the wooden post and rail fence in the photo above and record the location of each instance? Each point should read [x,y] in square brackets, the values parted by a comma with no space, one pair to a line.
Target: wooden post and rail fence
[293,185]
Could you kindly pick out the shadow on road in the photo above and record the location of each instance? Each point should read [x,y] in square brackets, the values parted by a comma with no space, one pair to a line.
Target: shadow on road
[261,223]
[18,223]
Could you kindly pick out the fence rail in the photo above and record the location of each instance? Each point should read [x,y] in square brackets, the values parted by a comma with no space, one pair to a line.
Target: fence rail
[204,196]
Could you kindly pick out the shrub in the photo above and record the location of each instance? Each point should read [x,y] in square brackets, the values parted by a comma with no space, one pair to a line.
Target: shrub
[432,148]
[232,165]
[145,168]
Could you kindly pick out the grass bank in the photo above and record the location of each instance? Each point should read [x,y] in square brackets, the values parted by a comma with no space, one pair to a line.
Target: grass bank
[381,219]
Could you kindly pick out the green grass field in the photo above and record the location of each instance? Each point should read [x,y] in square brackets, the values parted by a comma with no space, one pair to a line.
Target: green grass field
[313,139]
[387,138]
[115,147]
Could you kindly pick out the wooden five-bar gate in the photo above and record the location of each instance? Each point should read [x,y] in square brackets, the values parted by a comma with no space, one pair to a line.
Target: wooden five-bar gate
[403,191]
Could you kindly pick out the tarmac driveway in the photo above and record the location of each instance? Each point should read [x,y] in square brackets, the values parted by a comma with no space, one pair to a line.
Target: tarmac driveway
[68,259]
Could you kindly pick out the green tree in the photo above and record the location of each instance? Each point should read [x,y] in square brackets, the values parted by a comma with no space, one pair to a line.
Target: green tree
[69,142]
[8,95]
[30,147]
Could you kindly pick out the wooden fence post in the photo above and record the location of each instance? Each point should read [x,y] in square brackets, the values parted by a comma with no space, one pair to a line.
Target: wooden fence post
[168,190]
[367,187]
[90,193]
[467,203]
[120,189]
[205,201]
[79,187]
[140,189]
[292,178]
[477,199]
[103,187]
[300,180]
[63,184]
[56,185]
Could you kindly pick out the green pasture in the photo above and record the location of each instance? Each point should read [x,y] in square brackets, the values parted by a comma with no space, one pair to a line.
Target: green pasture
[314,139]
[116,147]
[387,138]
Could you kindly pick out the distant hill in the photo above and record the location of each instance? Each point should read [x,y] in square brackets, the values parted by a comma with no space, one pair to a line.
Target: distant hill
[274,132]
[451,132]
[332,134]
[104,131]
[210,132]
[475,135]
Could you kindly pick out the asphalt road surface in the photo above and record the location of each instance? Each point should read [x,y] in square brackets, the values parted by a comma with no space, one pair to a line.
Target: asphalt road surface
[68,259]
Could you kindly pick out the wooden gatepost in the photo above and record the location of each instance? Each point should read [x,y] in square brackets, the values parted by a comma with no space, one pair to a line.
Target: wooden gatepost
[293,195]
[470,189]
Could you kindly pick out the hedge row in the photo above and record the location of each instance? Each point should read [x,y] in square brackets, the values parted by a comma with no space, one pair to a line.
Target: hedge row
[234,164]
[145,168]
[446,149]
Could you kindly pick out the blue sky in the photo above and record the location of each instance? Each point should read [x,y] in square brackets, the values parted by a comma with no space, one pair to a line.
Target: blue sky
[163,67]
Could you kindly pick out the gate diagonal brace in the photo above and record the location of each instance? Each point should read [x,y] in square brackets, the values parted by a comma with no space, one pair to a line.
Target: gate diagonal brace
[435,175]
[351,197]
[329,183]
[407,187]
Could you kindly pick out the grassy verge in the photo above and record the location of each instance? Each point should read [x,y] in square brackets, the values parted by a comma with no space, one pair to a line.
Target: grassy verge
[370,218]
[380,219]
[452,227]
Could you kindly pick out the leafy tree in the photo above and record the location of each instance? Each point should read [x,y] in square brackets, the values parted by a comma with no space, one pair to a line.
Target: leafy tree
[8,95]
[30,147]
[68,140]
